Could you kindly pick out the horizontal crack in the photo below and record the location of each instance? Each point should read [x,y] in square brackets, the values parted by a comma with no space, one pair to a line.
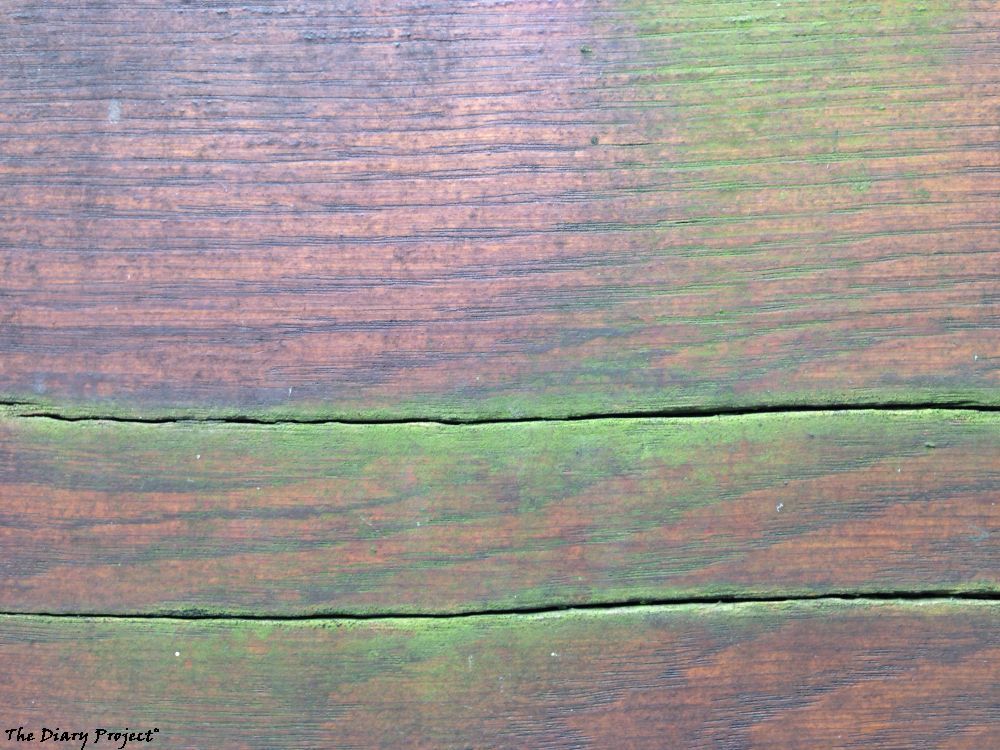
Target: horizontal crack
[668,413]
[841,596]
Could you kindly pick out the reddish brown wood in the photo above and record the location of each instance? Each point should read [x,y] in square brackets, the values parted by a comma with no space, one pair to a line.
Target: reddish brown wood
[435,208]
[108,517]
[808,675]
[421,208]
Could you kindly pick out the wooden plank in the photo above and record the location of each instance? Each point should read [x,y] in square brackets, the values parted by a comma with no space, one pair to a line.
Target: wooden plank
[109,517]
[428,208]
[806,675]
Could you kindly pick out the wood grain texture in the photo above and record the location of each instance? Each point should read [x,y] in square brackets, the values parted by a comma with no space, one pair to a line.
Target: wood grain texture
[807,675]
[108,517]
[427,208]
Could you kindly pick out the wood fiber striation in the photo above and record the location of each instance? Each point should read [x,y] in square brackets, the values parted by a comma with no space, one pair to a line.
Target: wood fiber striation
[795,675]
[420,518]
[434,209]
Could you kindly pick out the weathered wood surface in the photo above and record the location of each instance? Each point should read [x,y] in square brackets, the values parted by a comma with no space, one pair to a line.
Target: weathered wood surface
[113,517]
[434,208]
[806,675]
[425,209]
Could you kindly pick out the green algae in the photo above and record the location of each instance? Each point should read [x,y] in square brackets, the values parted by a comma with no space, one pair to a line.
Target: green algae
[418,478]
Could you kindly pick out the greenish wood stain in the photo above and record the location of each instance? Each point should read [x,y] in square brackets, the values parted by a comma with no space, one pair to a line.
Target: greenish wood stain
[764,674]
[284,518]
[358,365]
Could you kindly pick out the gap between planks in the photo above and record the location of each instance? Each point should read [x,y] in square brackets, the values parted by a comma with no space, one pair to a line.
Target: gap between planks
[928,596]
[13,412]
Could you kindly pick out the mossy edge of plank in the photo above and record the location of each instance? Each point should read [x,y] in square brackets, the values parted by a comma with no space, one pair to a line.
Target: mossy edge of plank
[212,517]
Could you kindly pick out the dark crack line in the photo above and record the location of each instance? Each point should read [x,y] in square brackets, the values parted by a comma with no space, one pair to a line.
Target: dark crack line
[840,596]
[668,413]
